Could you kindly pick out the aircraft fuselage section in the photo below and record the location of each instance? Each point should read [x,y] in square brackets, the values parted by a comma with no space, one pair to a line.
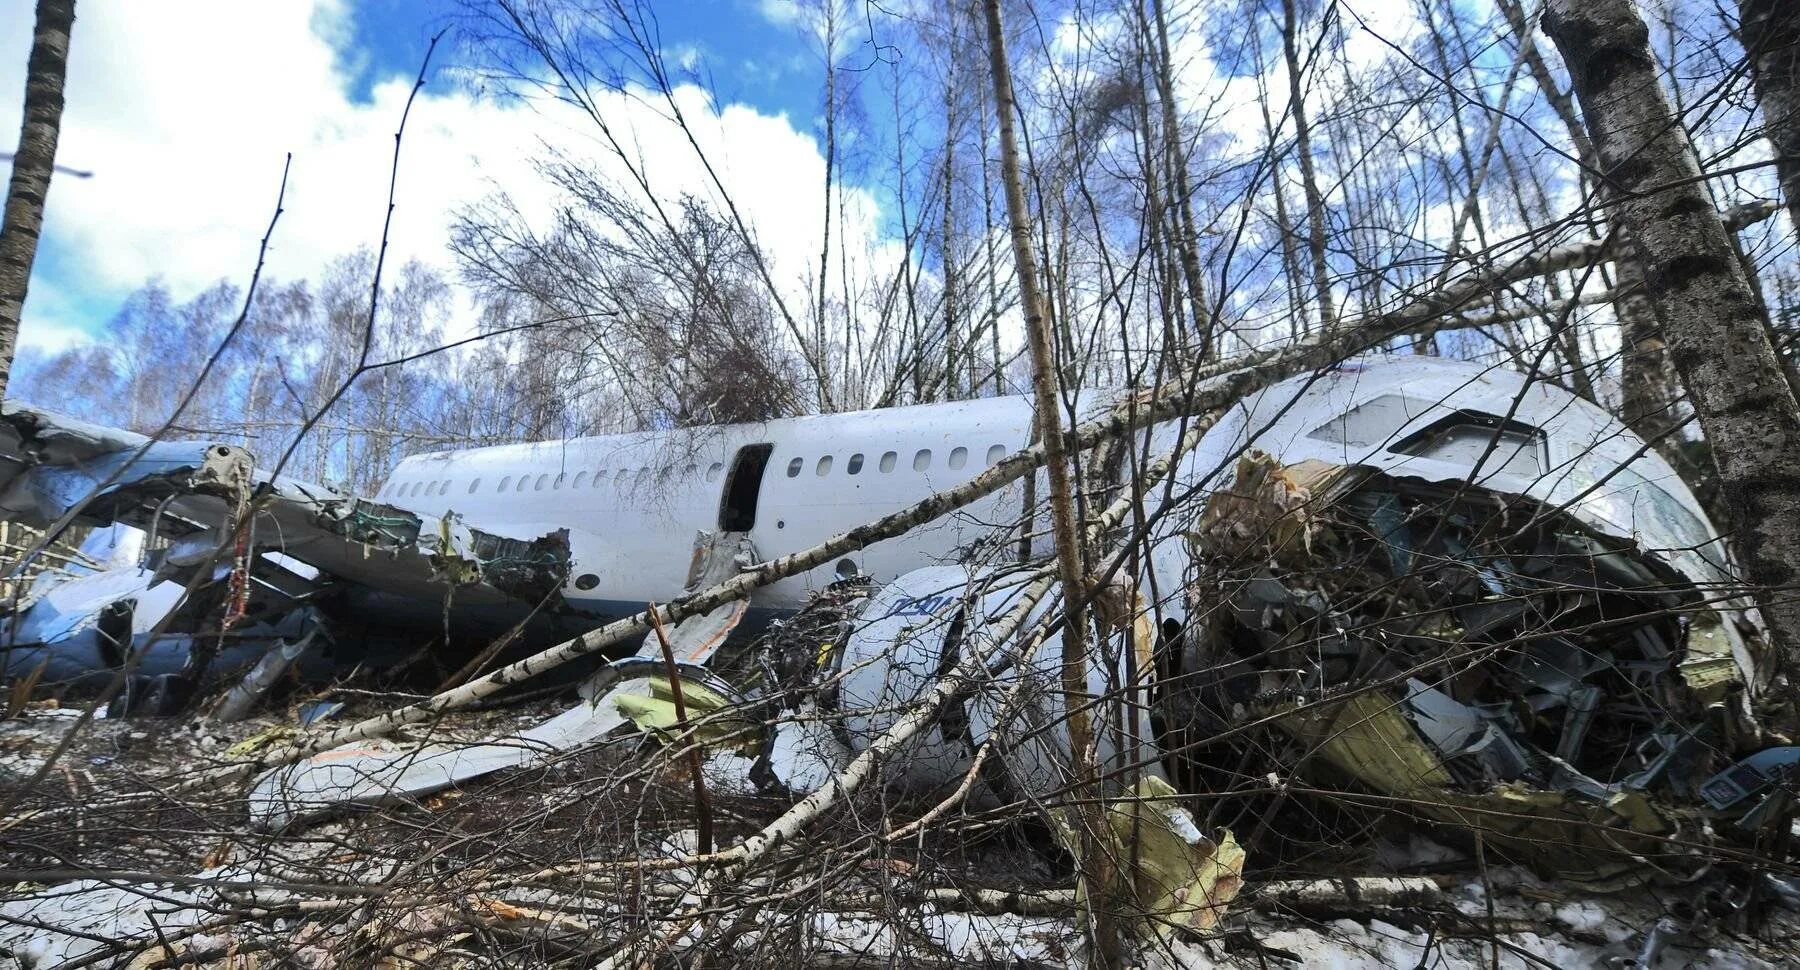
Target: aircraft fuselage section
[634,502]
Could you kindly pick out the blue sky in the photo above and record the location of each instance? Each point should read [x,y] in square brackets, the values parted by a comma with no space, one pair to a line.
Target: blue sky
[185,110]
[747,50]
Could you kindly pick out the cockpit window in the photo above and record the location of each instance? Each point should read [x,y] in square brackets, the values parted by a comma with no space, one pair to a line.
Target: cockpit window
[1465,437]
[1372,423]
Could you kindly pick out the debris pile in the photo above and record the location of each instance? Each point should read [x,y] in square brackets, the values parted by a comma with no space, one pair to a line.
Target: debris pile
[1475,658]
[241,563]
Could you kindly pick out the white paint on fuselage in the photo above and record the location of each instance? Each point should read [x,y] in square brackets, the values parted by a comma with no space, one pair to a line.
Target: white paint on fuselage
[633,502]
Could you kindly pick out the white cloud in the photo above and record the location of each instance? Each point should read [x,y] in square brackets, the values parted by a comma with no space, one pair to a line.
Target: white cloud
[184,114]
[49,336]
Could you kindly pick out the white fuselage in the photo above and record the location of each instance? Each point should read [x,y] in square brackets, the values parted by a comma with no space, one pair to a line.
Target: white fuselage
[633,503]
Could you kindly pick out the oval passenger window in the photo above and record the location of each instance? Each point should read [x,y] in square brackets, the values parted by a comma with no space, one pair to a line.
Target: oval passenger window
[795,466]
[824,467]
[887,461]
[922,460]
[995,453]
[855,465]
[959,457]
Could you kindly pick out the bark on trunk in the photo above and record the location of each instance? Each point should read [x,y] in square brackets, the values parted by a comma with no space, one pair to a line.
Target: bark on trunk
[1046,389]
[1309,178]
[1770,30]
[32,167]
[952,338]
[1708,313]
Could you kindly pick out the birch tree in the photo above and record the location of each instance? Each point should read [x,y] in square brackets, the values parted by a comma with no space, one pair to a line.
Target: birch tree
[32,168]
[1770,31]
[1707,310]
[1046,388]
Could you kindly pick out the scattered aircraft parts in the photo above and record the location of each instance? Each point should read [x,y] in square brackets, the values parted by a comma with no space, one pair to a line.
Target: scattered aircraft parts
[1424,584]
[632,690]
[261,554]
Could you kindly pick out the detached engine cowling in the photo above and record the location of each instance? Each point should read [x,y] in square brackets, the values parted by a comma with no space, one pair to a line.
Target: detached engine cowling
[906,636]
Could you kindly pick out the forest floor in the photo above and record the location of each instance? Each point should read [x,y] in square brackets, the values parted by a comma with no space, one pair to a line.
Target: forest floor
[448,880]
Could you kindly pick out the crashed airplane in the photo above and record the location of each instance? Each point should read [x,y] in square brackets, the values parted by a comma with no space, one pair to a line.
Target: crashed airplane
[1432,583]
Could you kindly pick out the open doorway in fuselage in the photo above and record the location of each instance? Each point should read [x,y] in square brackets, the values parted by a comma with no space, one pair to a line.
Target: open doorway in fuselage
[743,486]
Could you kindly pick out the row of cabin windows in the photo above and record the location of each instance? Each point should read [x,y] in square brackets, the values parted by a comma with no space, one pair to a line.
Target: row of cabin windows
[921,461]
[524,483]
[958,458]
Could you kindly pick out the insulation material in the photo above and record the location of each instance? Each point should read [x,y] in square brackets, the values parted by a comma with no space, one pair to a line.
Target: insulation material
[1177,877]
[708,712]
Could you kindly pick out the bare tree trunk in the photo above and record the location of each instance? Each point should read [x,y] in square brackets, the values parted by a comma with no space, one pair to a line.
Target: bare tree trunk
[1176,182]
[992,321]
[1157,232]
[1284,226]
[32,167]
[1309,178]
[1770,30]
[1647,399]
[830,14]
[1708,313]
[1083,792]
[947,245]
